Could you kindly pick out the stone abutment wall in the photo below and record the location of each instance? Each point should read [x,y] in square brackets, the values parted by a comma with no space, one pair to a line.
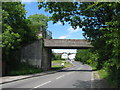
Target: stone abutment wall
[32,54]
[35,54]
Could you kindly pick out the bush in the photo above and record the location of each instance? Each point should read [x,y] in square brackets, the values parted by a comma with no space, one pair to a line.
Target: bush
[56,57]
[83,55]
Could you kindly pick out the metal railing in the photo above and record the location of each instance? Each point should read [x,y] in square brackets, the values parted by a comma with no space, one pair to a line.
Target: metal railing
[47,34]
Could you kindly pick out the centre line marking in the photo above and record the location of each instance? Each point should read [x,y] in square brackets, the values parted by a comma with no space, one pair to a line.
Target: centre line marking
[60,77]
[92,78]
[42,84]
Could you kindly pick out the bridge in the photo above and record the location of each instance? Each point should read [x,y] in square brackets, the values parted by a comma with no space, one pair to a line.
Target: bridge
[49,44]
[39,52]
[67,44]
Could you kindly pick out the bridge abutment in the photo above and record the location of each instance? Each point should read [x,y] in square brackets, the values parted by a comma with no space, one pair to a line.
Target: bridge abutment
[46,59]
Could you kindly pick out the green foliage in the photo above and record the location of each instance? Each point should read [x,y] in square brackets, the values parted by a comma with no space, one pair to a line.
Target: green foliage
[56,57]
[88,57]
[82,55]
[23,69]
[100,22]
[58,64]
[103,73]
[15,29]
[38,22]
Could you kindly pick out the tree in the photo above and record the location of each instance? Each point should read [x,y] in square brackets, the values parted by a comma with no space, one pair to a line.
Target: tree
[100,23]
[90,17]
[82,55]
[15,29]
[39,20]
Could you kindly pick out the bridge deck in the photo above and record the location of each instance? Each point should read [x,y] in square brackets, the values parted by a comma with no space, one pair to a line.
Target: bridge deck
[67,44]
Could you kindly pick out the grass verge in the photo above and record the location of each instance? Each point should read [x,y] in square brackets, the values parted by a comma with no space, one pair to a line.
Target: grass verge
[58,64]
[93,66]
[24,69]
[103,73]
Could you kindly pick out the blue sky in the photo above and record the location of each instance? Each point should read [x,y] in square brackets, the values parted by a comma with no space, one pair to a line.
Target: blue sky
[58,30]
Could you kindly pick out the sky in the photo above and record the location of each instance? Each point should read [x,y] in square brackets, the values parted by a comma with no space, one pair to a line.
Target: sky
[58,30]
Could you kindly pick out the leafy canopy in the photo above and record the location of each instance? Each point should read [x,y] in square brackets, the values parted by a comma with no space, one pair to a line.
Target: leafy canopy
[15,29]
[100,22]
[38,21]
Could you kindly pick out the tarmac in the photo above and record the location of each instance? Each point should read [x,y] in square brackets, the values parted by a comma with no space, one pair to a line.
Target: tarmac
[8,79]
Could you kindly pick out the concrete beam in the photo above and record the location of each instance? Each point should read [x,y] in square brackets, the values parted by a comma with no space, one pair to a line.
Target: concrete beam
[67,44]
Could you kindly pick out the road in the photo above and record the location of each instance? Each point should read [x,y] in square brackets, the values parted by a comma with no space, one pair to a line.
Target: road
[79,76]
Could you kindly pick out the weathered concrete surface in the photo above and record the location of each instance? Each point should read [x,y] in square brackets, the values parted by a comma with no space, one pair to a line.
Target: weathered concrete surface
[35,54]
[46,60]
[67,43]
[32,53]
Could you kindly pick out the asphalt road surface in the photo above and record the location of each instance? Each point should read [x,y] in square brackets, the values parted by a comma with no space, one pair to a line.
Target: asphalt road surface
[79,76]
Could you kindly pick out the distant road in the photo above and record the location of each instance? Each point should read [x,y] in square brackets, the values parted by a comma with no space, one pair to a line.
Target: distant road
[79,76]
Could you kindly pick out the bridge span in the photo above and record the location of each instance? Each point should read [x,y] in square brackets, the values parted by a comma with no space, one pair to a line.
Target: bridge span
[67,44]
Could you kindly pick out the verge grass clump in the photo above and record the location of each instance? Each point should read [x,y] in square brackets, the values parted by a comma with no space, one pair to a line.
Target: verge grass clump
[24,69]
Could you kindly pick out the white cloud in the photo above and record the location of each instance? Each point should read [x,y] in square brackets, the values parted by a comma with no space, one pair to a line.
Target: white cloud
[59,23]
[71,30]
[62,37]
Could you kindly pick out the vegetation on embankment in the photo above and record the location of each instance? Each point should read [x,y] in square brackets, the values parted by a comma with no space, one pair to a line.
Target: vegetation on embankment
[57,64]
[24,69]
[101,25]
[105,72]
[18,31]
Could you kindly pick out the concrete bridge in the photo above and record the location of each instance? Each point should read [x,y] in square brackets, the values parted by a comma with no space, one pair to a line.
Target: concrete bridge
[67,44]
[39,52]
[49,44]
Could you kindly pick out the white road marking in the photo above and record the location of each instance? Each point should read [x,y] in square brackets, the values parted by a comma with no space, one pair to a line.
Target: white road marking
[42,84]
[92,78]
[60,77]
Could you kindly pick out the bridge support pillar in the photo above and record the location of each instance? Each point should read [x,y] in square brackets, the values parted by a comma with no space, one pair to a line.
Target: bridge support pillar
[46,60]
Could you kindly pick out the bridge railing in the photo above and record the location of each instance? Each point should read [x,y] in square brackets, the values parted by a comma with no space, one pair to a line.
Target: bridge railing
[47,34]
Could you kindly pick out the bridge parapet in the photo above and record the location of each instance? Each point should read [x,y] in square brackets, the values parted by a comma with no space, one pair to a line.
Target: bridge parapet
[67,43]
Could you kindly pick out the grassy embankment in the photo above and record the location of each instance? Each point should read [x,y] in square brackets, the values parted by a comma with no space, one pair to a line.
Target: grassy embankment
[58,64]
[102,73]
[24,69]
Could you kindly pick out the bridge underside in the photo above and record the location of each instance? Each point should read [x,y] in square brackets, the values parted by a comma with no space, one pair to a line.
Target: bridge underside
[49,44]
[66,44]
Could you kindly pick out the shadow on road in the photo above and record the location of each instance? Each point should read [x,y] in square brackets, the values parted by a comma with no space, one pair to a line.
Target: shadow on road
[96,85]
[76,70]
